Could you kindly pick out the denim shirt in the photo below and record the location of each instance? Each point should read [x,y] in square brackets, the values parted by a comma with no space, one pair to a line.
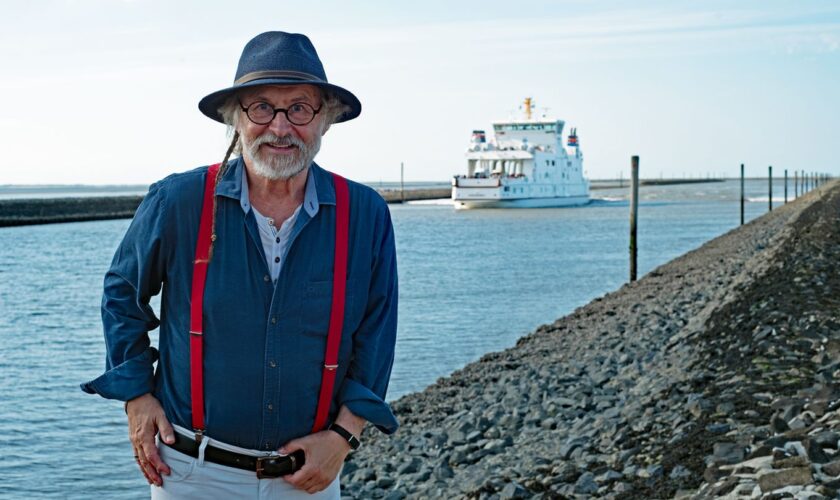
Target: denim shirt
[264,342]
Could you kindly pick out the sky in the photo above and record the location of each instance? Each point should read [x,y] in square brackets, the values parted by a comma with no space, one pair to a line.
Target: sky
[106,91]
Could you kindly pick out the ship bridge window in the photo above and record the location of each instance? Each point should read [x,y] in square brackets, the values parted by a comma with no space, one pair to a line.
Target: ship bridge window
[568,164]
[546,175]
[552,163]
[512,127]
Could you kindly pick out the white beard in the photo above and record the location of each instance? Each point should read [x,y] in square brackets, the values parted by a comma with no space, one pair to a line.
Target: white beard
[277,167]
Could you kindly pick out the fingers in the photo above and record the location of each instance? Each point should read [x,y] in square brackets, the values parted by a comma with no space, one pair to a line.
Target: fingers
[146,468]
[292,446]
[145,418]
[153,456]
[167,433]
[307,479]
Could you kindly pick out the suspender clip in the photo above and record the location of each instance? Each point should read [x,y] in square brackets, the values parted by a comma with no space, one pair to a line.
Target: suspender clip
[330,367]
[199,435]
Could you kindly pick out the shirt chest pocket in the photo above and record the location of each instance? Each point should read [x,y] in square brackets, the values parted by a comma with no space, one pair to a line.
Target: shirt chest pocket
[315,307]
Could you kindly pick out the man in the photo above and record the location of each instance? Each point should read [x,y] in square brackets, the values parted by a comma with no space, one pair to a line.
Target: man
[257,281]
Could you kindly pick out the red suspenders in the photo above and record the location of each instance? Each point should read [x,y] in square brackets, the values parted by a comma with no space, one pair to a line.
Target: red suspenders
[202,259]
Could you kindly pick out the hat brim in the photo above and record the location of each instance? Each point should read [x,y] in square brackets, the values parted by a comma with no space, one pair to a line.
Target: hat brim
[211,103]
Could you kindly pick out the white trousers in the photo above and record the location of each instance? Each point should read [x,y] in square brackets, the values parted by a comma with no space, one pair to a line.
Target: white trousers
[197,478]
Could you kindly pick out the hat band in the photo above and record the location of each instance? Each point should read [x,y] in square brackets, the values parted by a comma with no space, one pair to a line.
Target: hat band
[260,75]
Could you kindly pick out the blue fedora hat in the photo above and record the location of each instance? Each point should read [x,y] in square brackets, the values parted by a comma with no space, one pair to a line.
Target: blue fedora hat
[279,58]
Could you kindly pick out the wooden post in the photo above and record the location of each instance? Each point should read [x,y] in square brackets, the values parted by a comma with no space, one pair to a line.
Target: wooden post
[795,184]
[770,187]
[634,212]
[785,186]
[402,184]
[742,194]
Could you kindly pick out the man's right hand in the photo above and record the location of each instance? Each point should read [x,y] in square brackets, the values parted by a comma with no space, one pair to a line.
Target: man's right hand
[145,420]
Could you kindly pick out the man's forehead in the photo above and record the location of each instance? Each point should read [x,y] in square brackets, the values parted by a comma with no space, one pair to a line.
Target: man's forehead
[271,92]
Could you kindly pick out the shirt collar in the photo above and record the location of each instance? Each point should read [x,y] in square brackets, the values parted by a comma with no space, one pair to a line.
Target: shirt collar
[318,190]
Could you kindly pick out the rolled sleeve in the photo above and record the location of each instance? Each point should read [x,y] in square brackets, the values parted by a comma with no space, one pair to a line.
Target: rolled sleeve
[135,275]
[363,389]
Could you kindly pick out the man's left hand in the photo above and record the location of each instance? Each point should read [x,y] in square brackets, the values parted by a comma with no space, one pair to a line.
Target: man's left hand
[325,452]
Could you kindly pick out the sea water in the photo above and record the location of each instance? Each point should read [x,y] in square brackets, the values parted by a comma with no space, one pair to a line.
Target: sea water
[471,282]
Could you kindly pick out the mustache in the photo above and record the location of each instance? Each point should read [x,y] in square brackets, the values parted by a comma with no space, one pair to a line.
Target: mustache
[274,140]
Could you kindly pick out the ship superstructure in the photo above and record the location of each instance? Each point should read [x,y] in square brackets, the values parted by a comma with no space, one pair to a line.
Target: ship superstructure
[524,165]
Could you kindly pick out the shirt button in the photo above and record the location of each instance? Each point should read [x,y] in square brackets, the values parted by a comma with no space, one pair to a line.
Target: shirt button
[270,407]
[276,259]
[274,320]
[266,278]
[277,240]
[272,364]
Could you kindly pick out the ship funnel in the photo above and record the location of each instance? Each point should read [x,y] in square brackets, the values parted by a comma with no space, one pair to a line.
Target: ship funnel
[478,137]
[573,138]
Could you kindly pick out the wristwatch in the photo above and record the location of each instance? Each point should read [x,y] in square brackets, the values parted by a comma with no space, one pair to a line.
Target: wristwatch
[352,440]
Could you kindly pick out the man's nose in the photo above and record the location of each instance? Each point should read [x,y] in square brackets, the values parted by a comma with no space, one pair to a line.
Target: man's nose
[280,125]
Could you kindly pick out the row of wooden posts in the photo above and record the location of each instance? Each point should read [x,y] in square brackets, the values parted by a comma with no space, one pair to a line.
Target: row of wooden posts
[802,183]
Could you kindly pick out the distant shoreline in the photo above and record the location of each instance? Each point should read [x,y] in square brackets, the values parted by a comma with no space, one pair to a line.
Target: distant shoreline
[47,210]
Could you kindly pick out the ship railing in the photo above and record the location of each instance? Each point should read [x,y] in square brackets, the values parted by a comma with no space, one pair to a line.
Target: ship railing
[476,182]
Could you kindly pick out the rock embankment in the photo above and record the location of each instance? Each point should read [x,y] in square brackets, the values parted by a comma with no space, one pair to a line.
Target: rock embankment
[713,375]
[53,210]
[23,212]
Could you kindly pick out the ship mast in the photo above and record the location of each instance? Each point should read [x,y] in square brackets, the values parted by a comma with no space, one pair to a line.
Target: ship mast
[528,107]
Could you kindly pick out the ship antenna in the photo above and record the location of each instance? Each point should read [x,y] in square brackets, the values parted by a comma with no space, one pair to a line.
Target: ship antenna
[528,106]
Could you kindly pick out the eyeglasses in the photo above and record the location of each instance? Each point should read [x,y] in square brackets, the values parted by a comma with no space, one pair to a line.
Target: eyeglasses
[262,113]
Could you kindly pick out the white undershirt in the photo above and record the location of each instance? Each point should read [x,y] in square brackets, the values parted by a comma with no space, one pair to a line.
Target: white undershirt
[275,240]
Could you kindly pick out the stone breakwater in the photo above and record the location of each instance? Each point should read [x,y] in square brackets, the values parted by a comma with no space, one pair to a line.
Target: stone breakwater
[714,375]
[54,210]
[22,212]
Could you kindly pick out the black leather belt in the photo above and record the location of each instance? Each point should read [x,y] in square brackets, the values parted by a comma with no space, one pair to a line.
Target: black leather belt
[264,467]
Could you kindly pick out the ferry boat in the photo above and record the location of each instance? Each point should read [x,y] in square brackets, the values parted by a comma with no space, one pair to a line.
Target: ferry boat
[525,165]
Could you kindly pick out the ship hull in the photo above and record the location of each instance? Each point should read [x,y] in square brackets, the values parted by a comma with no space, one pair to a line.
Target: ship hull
[555,202]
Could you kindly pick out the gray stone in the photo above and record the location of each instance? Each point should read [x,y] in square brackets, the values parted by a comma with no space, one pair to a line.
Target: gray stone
[788,462]
[718,428]
[364,475]
[608,477]
[832,468]
[473,436]
[443,471]
[815,452]
[725,487]
[785,477]
[570,446]
[586,485]
[651,472]
[779,424]
[513,490]
[798,423]
[679,472]
[730,453]
[384,482]
[409,467]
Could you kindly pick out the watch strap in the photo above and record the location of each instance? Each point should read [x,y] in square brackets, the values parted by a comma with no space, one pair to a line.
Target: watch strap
[352,440]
